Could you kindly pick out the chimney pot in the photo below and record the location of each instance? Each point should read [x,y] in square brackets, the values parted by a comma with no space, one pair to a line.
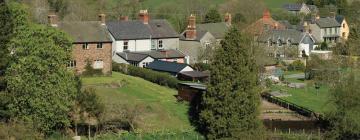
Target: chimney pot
[102,19]
[266,14]
[144,16]
[52,19]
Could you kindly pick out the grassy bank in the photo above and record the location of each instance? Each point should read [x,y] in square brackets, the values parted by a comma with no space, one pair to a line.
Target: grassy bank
[159,108]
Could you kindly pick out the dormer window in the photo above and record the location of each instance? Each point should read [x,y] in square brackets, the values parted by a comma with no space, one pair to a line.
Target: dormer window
[269,43]
[85,46]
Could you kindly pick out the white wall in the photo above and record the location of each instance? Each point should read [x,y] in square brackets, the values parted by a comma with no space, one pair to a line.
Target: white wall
[119,59]
[146,60]
[305,47]
[187,68]
[134,45]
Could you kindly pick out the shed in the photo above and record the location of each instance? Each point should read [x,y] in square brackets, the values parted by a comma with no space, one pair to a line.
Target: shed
[193,76]
[169,67]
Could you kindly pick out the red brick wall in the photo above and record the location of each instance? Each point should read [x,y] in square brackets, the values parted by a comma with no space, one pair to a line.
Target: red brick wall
[81,56]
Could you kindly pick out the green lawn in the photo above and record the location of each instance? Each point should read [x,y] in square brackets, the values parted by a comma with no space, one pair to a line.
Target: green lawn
[308,97]
[160,110]
[277,4]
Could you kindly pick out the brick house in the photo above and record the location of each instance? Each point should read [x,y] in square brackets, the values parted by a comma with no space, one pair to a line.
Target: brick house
[91,41]
[264,24]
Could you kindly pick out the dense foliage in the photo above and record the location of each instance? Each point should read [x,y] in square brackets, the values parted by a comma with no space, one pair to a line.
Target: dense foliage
[344,116]
[160,78]
[230,106]
[41,88]
[212,16]
[296,65]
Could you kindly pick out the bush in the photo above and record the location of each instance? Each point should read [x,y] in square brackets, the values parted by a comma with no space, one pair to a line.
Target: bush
[19,130]
[296,65]
[201,66]
[90,71]
[160,78]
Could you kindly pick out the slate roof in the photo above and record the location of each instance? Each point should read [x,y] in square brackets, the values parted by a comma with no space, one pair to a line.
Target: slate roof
[195,85]
[286,23]
[339,18]
[293,6]
[294,36]
[327,22]
[136,29]
[171,67]
[199,35]
[162,54]
[218,30]
[129,56]
[85,31]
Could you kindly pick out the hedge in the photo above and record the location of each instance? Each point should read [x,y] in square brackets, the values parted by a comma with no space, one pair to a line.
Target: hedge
[160,78]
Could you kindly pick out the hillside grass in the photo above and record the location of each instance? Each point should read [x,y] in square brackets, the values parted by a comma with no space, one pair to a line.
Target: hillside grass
[160,109]
[277,4]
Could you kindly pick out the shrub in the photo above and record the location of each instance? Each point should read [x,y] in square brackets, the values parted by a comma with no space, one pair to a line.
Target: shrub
[160,78]
[296,65]
[90,71]
[201,66]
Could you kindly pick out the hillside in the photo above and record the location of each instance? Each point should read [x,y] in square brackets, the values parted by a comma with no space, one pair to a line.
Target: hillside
[277,4]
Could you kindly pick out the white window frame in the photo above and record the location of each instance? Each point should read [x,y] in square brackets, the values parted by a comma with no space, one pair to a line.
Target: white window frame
[98,64]
[127,45]
[85,46]
[160,44]
[99,46]
[71,64]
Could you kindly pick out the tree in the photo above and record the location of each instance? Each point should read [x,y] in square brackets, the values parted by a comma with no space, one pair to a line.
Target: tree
[212,16]
[59,6]
[230,105]
[11,19]
[41,88]
[344,116]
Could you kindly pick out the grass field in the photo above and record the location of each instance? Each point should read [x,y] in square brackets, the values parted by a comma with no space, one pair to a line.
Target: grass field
[308,97]
[157,103]
[277,4]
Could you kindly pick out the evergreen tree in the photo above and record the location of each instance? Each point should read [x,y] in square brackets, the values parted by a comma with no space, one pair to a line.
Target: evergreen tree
[230,106]
[212,16]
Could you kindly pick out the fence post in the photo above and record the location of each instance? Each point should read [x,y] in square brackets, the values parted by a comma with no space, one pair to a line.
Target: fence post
[319,132]
[289,131]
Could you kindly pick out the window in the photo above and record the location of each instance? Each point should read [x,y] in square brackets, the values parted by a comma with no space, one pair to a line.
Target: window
[288,42]
[269,42]
[344,26]
[98,64]
[99,46]
[279,42]
[160,44]
[126,45]
[85,46]
[71,64]
[145,64]
[207,44]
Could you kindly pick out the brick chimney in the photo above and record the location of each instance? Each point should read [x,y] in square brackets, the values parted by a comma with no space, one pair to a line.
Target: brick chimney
[144,16]
[124,18]
[102,19]
[191,28]
[266,15]
[53,20]
[228,18]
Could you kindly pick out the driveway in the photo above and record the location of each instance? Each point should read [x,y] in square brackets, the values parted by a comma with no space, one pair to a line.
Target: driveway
[297,76]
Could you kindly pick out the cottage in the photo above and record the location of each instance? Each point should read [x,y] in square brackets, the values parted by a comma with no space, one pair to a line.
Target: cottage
[298,8]
[92,43]
[198,39]
[170,67]
[277,40]
[143,58]
[266,23]
[344,29]
[142,35]
[326,29]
